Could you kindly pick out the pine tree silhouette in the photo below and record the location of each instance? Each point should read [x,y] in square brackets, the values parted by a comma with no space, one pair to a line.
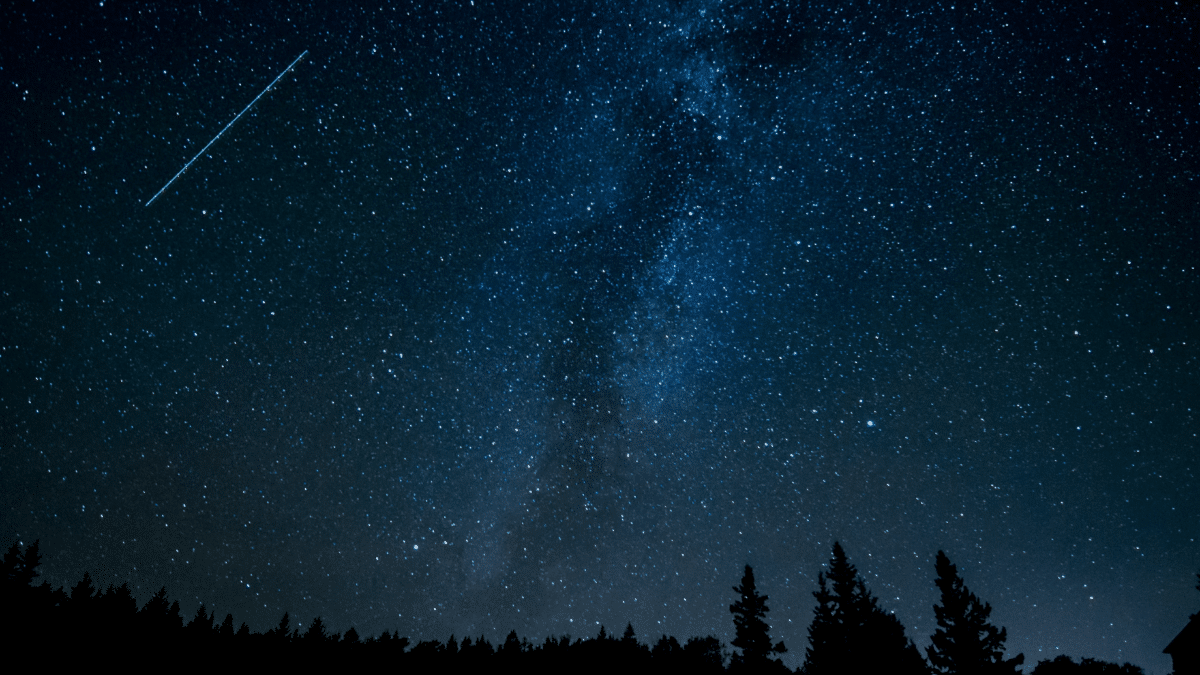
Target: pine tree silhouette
[25,605]
[84,590]
[511,646]
[965,641]
[281,634]
[82,611]
[665,651]
[159,618]
[200,628]
[752,633]
[315,636]
[118,604]
[850,632]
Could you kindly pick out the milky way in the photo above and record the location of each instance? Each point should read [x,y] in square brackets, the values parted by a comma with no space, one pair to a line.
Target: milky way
[514,317]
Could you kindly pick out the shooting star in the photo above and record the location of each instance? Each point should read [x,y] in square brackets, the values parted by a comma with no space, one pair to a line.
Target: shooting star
[231,123]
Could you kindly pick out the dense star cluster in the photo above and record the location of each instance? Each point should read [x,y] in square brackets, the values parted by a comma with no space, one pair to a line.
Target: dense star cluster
[495,316]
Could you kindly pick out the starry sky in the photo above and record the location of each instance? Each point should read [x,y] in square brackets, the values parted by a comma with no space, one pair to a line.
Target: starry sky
[496,316]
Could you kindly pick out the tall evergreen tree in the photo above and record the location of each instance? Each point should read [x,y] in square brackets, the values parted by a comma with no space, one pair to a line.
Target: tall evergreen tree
[83,591]
[159,618]
[512,645]
[850,632]
[118,604]
[316,636]
[965,641]
[200,628]
[750,627]
[282,633]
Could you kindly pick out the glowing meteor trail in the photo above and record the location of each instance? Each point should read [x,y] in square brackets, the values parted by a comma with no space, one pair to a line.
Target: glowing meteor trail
[231,123]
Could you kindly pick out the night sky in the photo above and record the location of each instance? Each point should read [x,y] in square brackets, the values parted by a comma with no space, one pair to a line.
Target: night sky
[494,316]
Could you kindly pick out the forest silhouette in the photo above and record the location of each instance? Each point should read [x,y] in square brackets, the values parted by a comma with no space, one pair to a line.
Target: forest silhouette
[849,633]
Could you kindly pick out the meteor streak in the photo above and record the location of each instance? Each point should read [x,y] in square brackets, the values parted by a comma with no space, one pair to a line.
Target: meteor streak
[231,122]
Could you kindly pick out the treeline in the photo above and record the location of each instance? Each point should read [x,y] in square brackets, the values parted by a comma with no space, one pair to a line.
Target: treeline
[849,632]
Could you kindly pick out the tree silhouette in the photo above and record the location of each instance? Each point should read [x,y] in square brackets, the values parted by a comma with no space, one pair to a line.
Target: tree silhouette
[118,604]
[665,650]
[83,591]
[316,636]
[752,633]
[1063,665]
[20,567]
[159,618]
[81,610]
[850,633]
[200,628]
[281,634]
[703,655]
[512,645]
[25,606]
[965,641]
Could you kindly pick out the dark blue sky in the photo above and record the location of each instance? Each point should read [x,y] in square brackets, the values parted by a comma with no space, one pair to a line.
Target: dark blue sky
[495,316]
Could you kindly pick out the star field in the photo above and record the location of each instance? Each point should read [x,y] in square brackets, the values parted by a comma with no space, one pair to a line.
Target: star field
[498,316]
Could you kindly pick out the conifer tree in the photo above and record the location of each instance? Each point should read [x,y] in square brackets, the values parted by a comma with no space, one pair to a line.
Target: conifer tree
[850,632]
[665,650]
[750,627]
[512,644]
[965,641]
[316,635]
[201,625]
[157,607]
[282,633]
[159,618]
[84,590]
[118,604]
